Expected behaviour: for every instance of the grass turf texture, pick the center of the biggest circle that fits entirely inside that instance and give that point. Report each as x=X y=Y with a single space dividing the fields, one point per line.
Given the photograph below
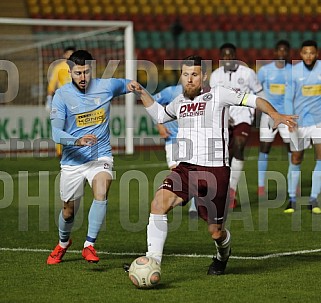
x=259 y=228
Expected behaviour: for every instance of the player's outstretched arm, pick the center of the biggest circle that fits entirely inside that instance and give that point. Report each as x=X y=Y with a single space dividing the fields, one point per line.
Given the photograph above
x=164 y=132
x=266 y=107
x=138 y=90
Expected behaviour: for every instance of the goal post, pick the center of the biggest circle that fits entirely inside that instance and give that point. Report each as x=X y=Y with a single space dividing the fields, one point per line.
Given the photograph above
x=30 y=46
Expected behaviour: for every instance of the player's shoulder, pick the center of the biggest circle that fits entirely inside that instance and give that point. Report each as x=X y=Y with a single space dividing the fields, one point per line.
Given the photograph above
x=245 y=69
x=297 y=69
x=218 y=89
x=298 y=65
x=268 y=66
x=65 y=88
x=218 y=70
x=318 y=65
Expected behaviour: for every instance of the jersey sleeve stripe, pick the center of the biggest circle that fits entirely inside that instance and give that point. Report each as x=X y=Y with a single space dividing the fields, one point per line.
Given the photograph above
x=168 y=114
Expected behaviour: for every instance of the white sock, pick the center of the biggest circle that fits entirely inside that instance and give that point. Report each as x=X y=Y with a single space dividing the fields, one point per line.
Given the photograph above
x=236 y=170
x=64 y=244
x=192 y=206
x=156 y=236
x=223 y=248
x=88 y=243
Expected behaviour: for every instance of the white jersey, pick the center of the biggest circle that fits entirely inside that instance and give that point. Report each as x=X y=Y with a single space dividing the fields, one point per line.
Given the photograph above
x=243 y=79
x=202 y=124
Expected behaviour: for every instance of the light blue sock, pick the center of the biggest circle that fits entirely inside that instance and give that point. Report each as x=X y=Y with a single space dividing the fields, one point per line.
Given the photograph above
x=316 y=180
x=290 y=169
x=262 y=167
x=294 y=179
x=64 y=228
x=192 y=206
x=96 y=218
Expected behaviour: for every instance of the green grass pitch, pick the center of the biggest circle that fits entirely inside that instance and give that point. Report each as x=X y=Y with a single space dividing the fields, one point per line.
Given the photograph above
x=276 y=256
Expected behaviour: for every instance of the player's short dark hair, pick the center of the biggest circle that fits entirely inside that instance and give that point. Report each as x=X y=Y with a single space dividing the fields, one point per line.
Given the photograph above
x=228 y=45
x=282 y=42
x=79 y=57
x=309 y=43
x=194 y=60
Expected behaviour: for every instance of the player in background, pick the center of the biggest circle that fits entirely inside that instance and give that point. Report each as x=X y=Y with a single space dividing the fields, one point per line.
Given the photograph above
x=204 y=173
x=58 y=77
x=80 y=122
x=273 y=77
x=303 y=97
x=232 y=73
x=168 y=131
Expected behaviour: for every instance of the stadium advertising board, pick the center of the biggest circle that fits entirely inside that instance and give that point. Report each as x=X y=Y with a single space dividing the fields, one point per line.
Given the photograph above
x=28 y=128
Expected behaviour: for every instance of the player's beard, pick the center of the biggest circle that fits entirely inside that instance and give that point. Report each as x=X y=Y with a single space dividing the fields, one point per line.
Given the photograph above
x=311 y=65
x=191 y=92
x=83 y=90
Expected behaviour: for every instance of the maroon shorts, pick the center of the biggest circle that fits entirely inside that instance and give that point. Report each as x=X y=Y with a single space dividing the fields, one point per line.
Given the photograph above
x=242 y=129
x=208 y=185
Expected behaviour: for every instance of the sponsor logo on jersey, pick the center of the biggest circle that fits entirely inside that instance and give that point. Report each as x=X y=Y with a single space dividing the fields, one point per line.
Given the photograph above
x=311 y=90
x=277 y=89
x=192 y=109
x=91 y=118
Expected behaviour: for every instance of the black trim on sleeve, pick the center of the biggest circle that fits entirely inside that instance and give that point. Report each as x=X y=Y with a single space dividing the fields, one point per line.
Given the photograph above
x=169 y=115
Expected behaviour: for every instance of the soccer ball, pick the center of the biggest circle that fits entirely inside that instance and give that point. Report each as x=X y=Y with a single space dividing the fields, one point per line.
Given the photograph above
x=145 y=272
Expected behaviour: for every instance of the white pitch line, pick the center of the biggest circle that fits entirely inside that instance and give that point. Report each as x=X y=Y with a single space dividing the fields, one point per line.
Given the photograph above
x=264 y=257
x=132 y=166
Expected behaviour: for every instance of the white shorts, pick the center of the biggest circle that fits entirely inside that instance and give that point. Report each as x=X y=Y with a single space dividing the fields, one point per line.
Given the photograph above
x=73 y=177
x=267 y=133
x=171 y=150
x=241 y=114
x=301 y=139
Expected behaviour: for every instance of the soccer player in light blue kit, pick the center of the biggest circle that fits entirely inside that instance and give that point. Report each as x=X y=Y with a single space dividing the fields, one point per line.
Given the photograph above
x=303 y=97
x=80 y=122
x=273 y=77
x=168 y=131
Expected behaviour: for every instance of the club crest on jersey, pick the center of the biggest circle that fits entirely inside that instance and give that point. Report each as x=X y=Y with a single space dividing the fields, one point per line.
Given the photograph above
x=207 y=97
x=240 y=81
x=192 y=109
x=97 y=101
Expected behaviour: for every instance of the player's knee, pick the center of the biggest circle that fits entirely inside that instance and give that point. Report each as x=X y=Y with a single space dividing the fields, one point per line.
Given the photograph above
x=161 y=203
x=296 y=160
x=218 y=235
x=100 y=196
x=217 y=232
x=158 y=207
x=68 y=214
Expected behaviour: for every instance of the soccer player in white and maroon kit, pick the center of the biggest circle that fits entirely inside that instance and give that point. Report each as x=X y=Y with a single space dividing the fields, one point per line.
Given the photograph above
x=203 y=171
x=232 y=73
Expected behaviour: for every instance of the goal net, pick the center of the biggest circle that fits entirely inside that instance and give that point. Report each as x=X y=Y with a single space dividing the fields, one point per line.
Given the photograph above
x=30 y=48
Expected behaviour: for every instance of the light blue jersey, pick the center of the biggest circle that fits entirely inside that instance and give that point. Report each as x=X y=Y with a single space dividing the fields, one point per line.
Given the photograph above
x=273 y=80
x=164 y=97
x=75 y=114
x=303 y=94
